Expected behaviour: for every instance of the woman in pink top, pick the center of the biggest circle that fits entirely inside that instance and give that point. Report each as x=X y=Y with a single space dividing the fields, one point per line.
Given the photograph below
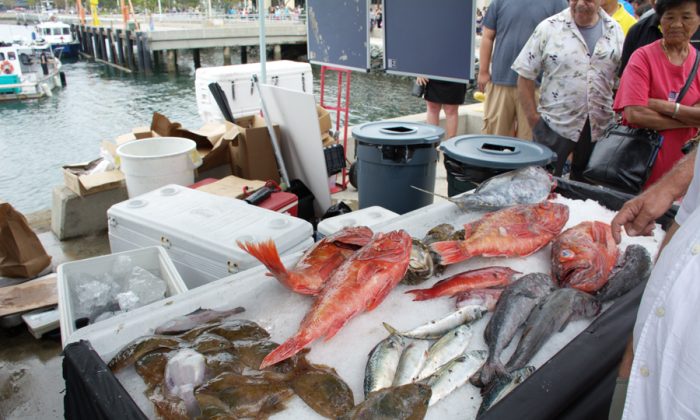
x=655 y=76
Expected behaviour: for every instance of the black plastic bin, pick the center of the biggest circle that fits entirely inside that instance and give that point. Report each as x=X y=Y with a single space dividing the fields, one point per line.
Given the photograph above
x=471 y=160
x=391 y=158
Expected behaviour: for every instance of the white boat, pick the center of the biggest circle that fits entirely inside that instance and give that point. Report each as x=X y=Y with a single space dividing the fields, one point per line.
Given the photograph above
x=60 y=37
x=28 y=71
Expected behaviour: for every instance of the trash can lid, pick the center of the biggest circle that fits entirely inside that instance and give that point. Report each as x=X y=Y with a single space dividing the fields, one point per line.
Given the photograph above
x=497 y=152
x=399 y=133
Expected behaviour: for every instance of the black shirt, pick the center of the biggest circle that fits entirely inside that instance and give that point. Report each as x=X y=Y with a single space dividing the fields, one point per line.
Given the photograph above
x=643 y=33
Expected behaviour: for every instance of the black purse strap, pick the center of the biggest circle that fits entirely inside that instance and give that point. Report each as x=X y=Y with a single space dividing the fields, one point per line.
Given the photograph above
x=691 y=76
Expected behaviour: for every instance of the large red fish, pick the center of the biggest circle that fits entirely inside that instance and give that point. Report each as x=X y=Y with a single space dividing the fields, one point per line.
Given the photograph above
x=584 y=255
x=516 y=231
x=466 y=281
x=359 y=285
x=315 y=267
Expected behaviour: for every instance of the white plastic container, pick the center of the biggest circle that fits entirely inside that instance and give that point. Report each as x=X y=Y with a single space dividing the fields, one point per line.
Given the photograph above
x=154 y=259
x=199 y=230
x=370 y=216
x=151 y=163
x=236 y=82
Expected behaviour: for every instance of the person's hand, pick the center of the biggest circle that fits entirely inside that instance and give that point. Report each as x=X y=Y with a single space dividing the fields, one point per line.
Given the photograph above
x=422 y=81
x=638 y=215
x=483 y=79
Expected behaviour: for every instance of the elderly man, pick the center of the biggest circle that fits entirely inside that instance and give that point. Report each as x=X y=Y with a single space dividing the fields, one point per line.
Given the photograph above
x=577 y=51
x=507 y=26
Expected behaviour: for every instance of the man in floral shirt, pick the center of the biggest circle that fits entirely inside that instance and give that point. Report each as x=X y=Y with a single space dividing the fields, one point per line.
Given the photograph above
x=577 y=52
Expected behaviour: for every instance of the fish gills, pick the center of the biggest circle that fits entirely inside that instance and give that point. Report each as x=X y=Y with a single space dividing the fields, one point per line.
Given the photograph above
x=557 y=309
x=584 y=255
x=512 y=310
x=359 y=285
x=317 y=265
x=512 y=232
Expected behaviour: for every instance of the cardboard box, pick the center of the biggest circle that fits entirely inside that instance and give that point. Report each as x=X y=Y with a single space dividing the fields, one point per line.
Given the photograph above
x=77 y=180
x=252 y=154
x=324 y=120
x=232 y=186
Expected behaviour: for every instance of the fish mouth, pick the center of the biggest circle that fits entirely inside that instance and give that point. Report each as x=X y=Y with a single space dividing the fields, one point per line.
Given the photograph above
x=572 y=272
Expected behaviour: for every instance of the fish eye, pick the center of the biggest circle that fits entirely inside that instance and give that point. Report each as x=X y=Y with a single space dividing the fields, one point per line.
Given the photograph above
x=566 y=253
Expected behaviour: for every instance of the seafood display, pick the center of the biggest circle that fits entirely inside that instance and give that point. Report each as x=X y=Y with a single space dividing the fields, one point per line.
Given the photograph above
x=212 y=371
x=382 y=363
x=317 y=265
x=512 y=310
x=584 y=255
x=437 y=328
x=513 y=232
x=557 y=309
x=454 y=374
x=633 y=269
x=528 y=185
x=466 y=281
x=406 y=402
x=359 y=285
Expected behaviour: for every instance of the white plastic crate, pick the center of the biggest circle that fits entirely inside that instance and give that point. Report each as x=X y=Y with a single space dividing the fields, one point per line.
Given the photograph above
x=241 y=94
x=200 y=230
x=370 y=216
x=154 y=259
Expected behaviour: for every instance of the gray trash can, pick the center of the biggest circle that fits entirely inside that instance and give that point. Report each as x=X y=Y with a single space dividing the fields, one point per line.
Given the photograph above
x=472 y=159
x=393 y=156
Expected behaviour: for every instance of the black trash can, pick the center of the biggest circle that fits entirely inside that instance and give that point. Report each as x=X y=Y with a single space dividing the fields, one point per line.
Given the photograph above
x=393 y=156
x=472 y=159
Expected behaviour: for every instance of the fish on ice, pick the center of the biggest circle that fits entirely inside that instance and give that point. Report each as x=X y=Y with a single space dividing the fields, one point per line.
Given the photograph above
x=468 y=280
x=359 y=285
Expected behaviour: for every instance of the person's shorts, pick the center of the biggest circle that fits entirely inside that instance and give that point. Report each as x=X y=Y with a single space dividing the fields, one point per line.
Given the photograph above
x=449 y=93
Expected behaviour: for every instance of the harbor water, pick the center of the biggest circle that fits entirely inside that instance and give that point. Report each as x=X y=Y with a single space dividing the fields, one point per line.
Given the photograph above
x=37 y=137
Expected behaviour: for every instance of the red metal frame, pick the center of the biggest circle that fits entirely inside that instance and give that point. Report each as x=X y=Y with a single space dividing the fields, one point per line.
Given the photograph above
x=340 y=106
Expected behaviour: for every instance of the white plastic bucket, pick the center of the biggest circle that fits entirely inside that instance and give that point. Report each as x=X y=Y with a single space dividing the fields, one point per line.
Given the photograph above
x=152 y=163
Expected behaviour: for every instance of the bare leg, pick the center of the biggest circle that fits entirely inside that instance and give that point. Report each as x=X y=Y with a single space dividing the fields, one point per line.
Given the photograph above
x=451 y=117
x=433 y=116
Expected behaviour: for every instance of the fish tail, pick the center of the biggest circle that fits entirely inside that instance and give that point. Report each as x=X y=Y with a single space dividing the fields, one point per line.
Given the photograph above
x=286 y=350
x=391 y=329
x=266 y=253
x=421 y=294
x=450 y=252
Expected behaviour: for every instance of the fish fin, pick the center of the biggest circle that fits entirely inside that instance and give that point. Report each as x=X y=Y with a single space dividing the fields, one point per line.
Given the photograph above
x=420 y=294
x=566 y=323
x=330 y=266
x=355 y=236
x=334 y=328
x=266 y=253
x=450 y=252
x=391 y=329
x=286 y=350
x=432 y=193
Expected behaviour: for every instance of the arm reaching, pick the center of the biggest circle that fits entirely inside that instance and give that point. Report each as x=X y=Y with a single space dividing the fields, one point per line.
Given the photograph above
x=638 y=214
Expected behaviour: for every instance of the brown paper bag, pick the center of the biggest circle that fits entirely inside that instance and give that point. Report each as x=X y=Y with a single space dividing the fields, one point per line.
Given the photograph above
x=21 y=252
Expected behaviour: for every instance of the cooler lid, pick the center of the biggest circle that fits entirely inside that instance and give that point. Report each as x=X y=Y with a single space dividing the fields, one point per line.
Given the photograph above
x=497 y=152
x=398 y=133
x=206 y=224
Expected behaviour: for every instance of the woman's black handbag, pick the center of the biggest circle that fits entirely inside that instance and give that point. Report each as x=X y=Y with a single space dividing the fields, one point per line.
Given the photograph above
x=622 y=159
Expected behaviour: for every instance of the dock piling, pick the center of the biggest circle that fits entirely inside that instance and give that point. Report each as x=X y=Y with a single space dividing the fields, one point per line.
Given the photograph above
x=197 y=58
x=227 y=56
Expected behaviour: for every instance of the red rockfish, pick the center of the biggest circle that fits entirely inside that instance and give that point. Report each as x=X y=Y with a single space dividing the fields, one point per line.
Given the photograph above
x=317 y=265
x=516 y=231
x=468 y=280
x=583 y=256
x=359 y=285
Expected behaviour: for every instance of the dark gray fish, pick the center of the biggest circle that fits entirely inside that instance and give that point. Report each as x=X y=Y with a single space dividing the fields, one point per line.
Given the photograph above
x=194 y=319
x=528 y=185
x=420 y=264
x=405 y=402
x=501 y=387
x=555 y=312
x=634 y=268
x=512 y=310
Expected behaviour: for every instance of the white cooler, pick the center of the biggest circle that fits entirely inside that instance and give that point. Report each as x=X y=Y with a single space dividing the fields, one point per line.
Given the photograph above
x=241 y=94
x=369 y=216
x=199 y=230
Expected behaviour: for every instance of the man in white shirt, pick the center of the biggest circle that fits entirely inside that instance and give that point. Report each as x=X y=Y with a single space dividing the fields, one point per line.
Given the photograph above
x=664 y=378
